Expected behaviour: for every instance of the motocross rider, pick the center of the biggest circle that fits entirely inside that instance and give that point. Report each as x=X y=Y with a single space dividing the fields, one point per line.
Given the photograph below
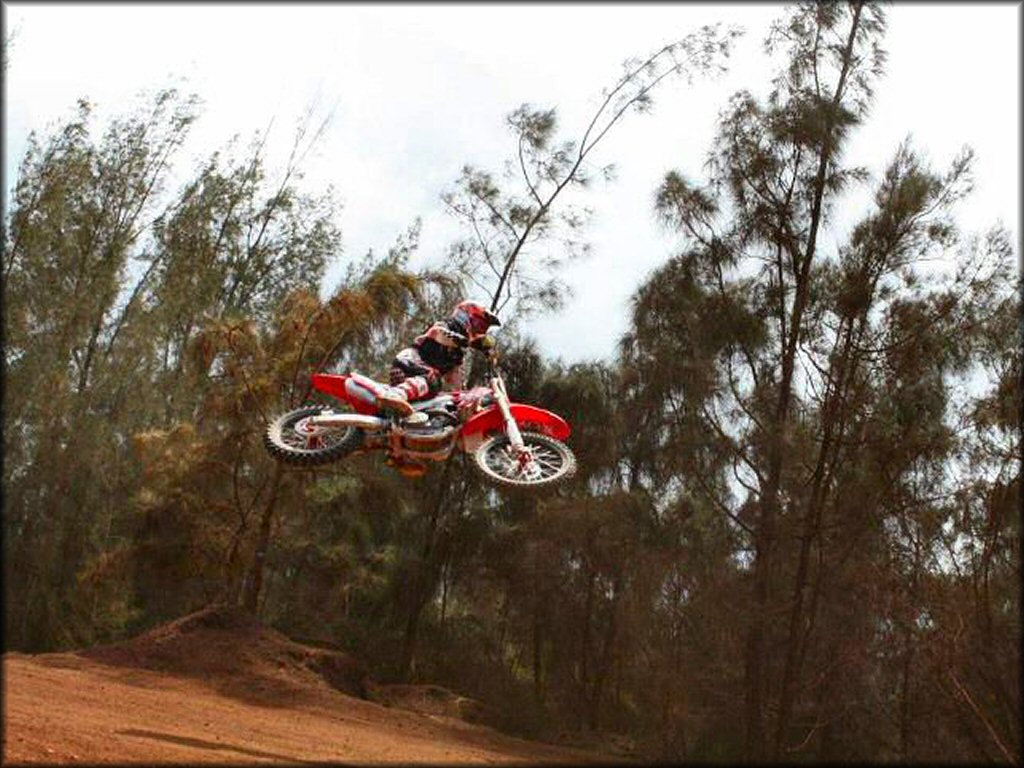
x=435 y=357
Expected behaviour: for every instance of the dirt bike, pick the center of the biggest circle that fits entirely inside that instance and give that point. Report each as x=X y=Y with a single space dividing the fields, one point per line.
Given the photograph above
x=514 y=446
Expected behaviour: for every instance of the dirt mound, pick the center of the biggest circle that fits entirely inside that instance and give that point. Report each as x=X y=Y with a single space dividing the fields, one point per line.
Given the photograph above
x=428 y=700
x=236 y=654
x=217 y=686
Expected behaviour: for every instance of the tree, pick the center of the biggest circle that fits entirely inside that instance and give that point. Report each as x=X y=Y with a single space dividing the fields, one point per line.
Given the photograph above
x=257 y=370
x=78 y=216
x=505 y=225
x=792 y=532
x=106 y=293
x=783 y=354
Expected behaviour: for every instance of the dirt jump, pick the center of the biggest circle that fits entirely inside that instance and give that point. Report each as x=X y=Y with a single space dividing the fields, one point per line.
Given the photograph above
x=218 y=687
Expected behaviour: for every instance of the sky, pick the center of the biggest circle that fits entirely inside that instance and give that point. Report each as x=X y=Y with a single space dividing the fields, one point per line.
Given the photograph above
x=416 y=91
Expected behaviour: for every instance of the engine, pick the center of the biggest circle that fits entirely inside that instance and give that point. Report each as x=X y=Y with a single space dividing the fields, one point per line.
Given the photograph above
x=435 y=438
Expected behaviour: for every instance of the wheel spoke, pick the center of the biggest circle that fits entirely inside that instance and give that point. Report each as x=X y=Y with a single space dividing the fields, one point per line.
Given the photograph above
x=295 y=435
x=546 y=461
x=293 y=438
x=546 y=458
x=548 y=469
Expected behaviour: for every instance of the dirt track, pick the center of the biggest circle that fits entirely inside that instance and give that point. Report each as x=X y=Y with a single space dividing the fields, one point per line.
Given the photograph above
x=106 y=706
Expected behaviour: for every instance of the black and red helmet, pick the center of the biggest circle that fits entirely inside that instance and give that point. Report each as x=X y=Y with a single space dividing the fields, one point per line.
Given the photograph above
x=475 y=318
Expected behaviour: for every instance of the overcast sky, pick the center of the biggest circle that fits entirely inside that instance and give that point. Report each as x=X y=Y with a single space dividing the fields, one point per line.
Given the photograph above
x=417 y=91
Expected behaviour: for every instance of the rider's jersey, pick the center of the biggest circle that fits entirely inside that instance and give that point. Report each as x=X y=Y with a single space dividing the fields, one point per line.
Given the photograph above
x=442 y=346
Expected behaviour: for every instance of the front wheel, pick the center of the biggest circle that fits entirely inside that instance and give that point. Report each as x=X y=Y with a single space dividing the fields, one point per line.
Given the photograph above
x=550 y=462
x=291 y=439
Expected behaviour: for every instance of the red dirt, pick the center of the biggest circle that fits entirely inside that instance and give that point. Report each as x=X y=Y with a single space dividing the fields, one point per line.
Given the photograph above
x=218 y=687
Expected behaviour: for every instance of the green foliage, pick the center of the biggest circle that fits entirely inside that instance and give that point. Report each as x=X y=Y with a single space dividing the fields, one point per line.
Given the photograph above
x=810 y=397
x=75 y=223
x=523 y=227
x=794 y=533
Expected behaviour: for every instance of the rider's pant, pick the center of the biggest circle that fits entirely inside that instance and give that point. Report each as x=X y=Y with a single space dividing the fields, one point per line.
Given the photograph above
x=413 y=376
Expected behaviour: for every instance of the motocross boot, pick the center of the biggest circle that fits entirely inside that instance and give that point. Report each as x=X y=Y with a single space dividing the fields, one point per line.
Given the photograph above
x=397 y=397
x=394 y=399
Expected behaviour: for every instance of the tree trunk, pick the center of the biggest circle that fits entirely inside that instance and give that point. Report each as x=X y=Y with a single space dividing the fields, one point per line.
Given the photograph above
x=253 y=585
x=426 y=574
x=607 y=656
x=755 y=671
x=538 y=671
x=585 y=646
x=905 y=719
x=407 y=662
x=833 y=424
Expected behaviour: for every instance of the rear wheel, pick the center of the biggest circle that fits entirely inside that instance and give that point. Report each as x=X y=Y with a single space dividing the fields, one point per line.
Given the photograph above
x=291 y=439
x=550 y=462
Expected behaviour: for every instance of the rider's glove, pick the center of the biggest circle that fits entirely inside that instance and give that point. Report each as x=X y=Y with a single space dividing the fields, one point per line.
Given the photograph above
x=483 y=343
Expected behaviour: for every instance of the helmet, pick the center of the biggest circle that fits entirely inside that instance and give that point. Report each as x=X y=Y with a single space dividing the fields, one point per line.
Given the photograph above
x=475 y=318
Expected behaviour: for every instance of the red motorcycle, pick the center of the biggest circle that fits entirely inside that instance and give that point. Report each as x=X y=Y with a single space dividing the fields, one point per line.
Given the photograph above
x=513 y=445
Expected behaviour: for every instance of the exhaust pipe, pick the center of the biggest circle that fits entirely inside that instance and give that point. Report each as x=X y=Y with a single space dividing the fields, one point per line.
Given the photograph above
x=358 y=420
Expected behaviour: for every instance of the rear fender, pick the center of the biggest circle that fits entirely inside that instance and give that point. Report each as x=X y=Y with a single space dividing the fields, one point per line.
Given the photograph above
x=528 y=417
x=356 y=390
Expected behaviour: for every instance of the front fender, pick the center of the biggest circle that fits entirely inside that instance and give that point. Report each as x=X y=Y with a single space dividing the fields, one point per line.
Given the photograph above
x=528 y=417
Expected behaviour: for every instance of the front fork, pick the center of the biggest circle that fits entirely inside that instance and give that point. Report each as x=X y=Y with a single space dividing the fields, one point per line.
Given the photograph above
x=515 y=437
